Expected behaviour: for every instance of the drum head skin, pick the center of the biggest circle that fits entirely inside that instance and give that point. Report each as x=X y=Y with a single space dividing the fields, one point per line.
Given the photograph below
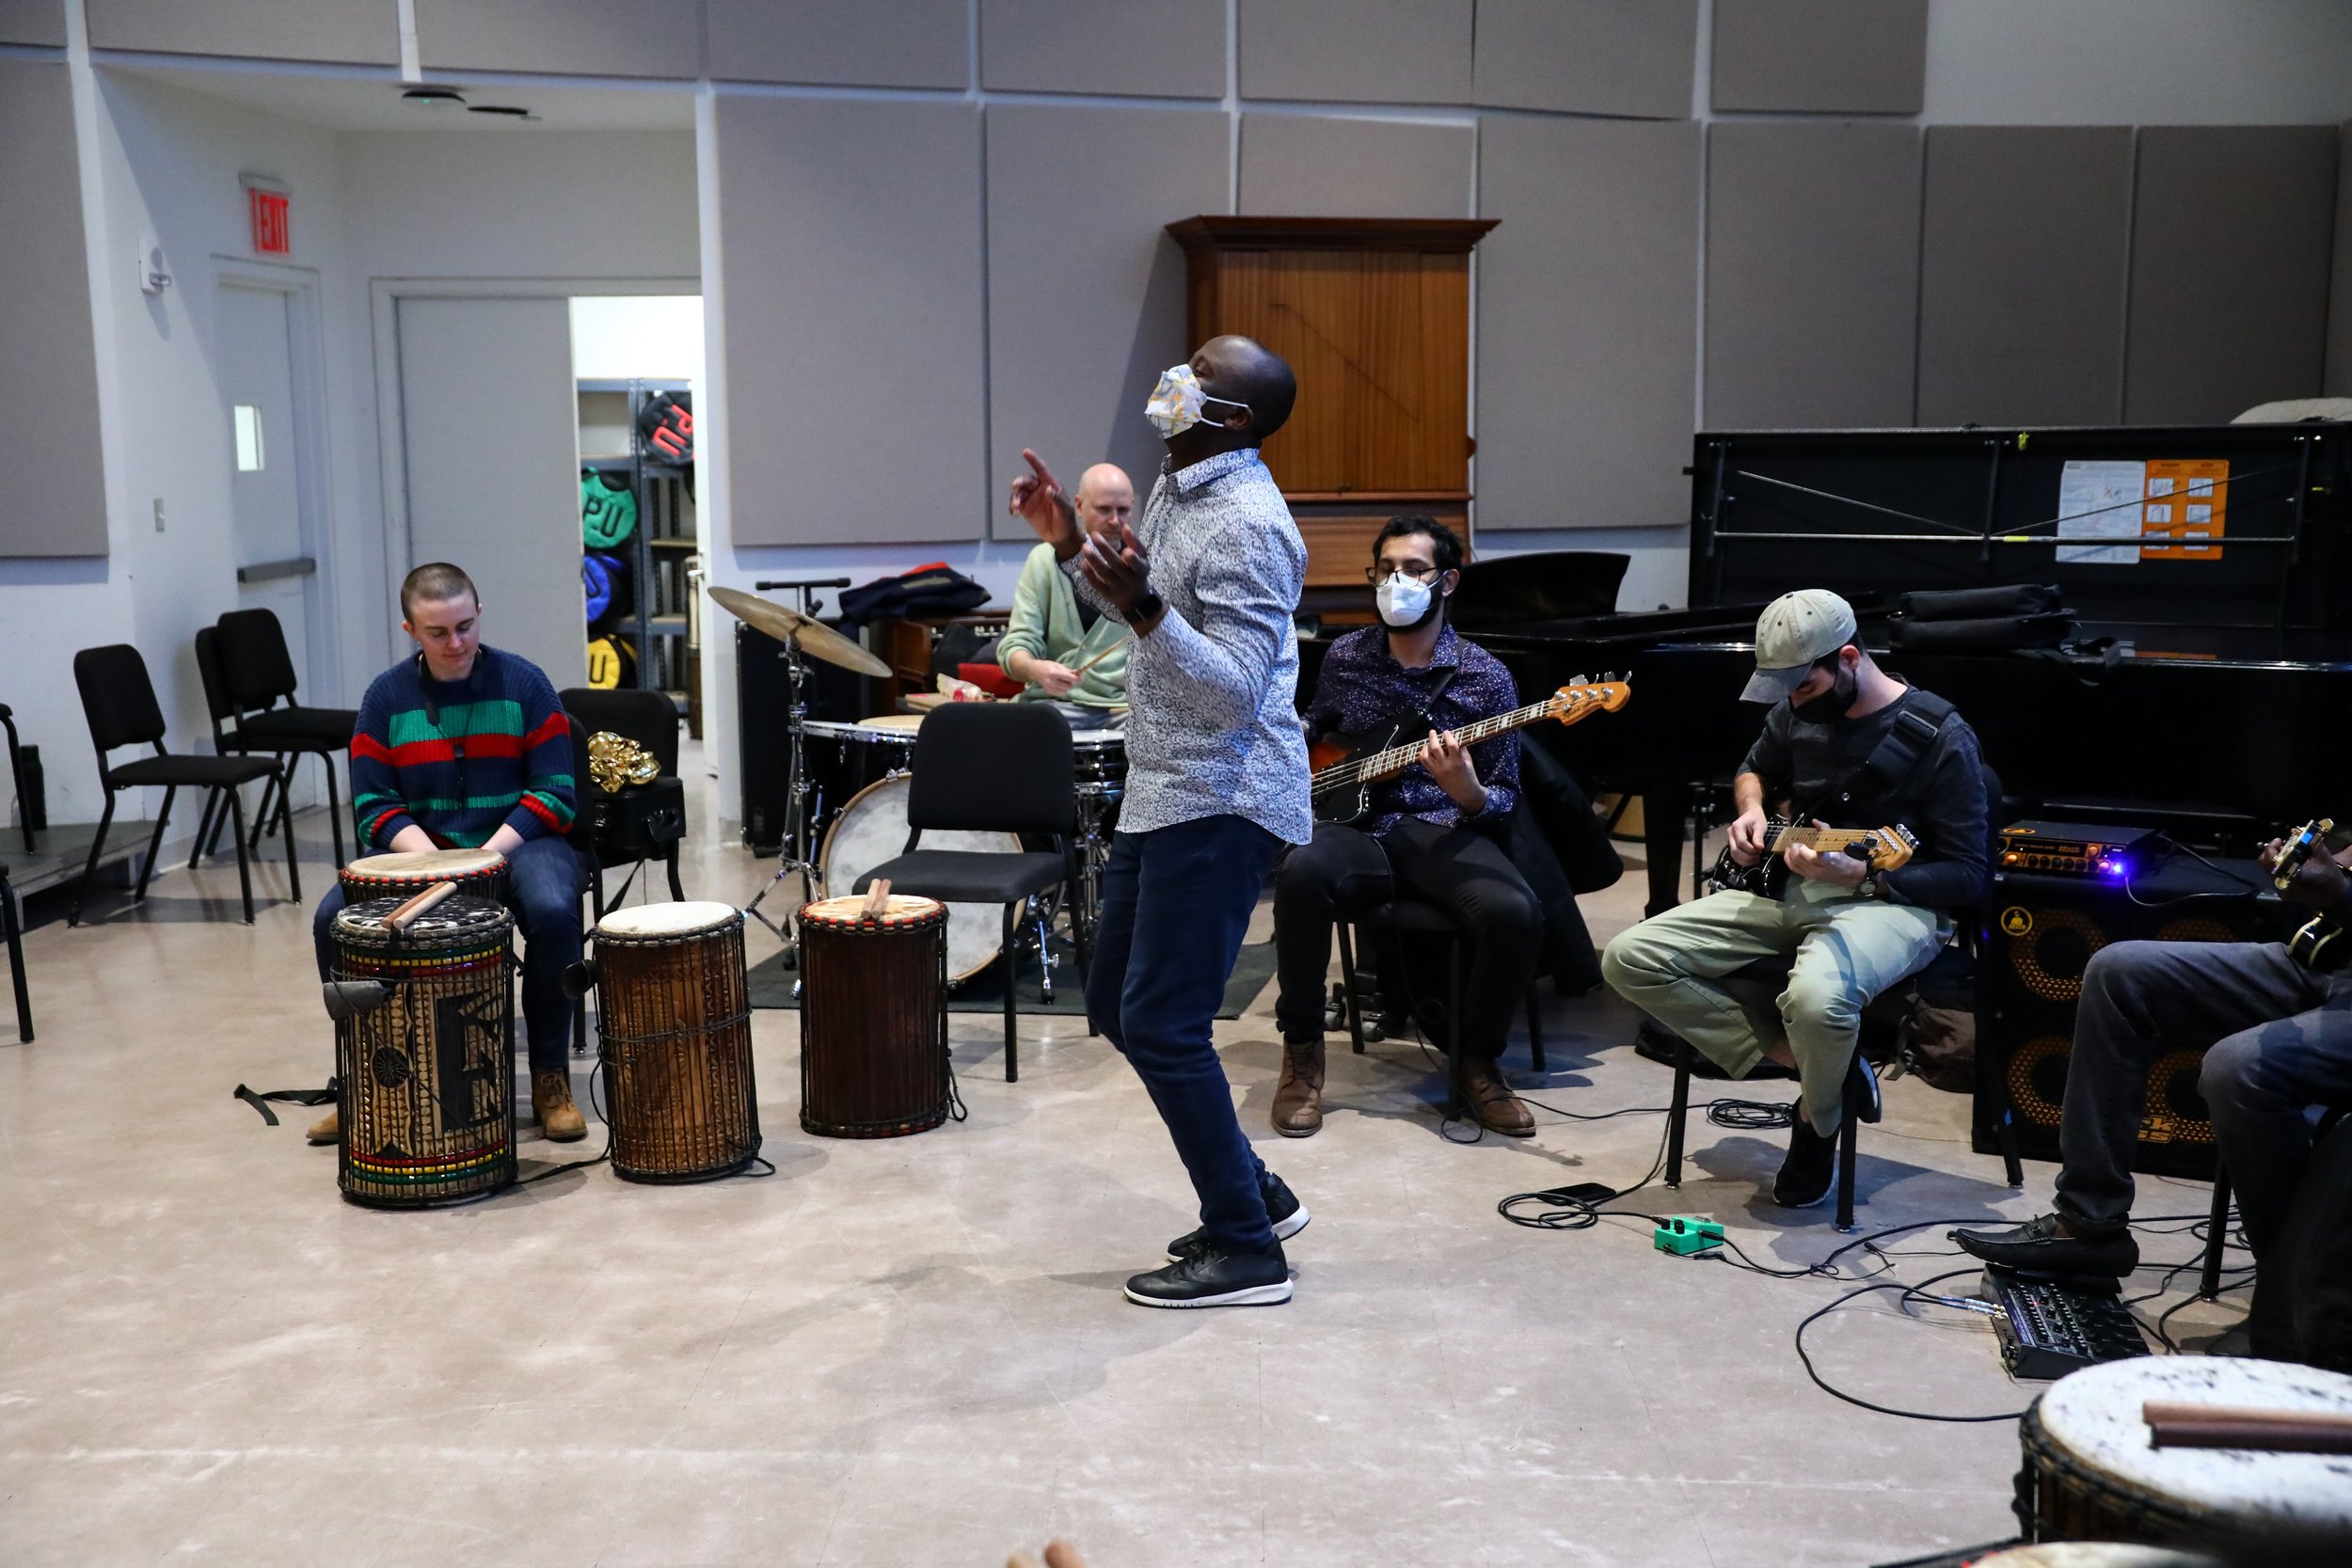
x=906 y=723
x=2094 y=1554
x=657 y=922
x=872 y=829
x=2093 y=1417
x=428 y=862
x=850 y=909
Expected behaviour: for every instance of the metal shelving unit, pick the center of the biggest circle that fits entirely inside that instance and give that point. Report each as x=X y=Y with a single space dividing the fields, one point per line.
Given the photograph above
x=661 y=548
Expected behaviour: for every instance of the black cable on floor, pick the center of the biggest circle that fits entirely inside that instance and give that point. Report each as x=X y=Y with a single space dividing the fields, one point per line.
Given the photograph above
x=1838 y=1393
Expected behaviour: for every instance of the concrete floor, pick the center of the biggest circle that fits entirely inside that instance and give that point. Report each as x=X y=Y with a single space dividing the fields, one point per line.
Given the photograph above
x=914 y=1352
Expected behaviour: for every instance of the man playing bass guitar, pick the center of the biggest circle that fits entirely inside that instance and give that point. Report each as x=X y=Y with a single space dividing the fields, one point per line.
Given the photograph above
x=1434 y=830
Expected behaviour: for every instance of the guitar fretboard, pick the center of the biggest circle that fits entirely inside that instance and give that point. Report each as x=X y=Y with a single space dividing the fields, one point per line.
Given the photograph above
x=1381 y=765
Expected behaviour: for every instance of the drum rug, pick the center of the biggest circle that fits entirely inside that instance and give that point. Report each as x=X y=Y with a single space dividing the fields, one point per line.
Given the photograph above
x=772 y=985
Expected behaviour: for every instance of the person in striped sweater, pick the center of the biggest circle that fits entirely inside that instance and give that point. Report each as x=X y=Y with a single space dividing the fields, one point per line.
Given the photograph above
x=465 y=747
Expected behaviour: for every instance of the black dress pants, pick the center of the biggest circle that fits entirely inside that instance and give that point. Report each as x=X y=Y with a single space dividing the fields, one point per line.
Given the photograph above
x=1345 y=871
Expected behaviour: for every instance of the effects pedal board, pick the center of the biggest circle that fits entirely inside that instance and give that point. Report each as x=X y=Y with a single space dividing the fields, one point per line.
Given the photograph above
x=2073 y=849
x=2050 y=1327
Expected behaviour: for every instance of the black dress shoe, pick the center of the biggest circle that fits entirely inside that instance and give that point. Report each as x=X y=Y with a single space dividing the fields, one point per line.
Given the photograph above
x=1283 y=1207
x=1811 y=1168
x=2038 y=1247
x=1212 y=1277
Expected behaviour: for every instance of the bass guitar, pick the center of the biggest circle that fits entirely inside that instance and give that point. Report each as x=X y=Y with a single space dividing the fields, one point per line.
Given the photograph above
x=2316 y=945
x=1346 y=766
x=1885 y=847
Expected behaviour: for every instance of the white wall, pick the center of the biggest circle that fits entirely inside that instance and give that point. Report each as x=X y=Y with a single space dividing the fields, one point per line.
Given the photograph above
x=656 y=337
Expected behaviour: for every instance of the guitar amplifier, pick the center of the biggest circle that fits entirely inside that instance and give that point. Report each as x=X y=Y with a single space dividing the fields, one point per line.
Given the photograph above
x=2043 y=929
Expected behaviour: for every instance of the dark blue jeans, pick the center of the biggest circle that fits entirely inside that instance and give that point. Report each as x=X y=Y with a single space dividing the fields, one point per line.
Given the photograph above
x=543 y=887
x=1175 y=903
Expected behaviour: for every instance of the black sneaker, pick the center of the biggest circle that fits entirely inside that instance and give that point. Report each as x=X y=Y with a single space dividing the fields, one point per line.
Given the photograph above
x=2038 y=1247
x=1811 y=1170
x=1283 y=1207
x=1212 y=1277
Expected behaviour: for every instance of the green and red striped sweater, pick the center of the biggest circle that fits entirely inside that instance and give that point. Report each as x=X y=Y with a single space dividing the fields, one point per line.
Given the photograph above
x=460 y=758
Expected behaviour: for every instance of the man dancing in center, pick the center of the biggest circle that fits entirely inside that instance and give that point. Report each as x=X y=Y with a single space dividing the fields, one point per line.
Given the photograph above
x=1216 y=783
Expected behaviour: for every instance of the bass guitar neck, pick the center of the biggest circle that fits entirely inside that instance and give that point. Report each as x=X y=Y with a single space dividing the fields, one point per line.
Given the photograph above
x=1346 y=768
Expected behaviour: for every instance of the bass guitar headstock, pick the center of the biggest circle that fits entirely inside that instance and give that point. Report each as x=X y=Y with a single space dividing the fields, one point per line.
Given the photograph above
x=1886 y=849
x=2309 y=839
x=1581 y=697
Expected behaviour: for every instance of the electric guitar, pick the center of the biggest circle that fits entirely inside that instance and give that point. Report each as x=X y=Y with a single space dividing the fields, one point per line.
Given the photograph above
x=1346 y=766
x=1885 y=847
x=2316 y=945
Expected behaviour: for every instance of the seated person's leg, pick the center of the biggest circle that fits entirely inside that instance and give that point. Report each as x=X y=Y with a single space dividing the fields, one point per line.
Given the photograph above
x=1669 y=966
x=2139 y=1000
x=2262 y=1084
x=543 y=878
x=1467 y=874
x=1342 y=868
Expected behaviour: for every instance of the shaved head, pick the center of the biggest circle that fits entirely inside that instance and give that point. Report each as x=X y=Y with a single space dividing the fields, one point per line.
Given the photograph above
x=1105 y=498
x=1246 y=370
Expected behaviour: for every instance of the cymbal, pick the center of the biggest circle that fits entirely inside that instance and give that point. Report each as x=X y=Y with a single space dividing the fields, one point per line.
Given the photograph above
x=786 y=624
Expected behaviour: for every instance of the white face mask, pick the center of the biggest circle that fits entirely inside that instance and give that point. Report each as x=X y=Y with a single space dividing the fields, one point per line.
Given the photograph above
x=1175 y=404
x=1402 y=600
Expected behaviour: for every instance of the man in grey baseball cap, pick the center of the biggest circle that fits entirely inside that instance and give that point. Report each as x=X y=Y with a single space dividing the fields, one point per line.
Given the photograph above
x=1844 y=745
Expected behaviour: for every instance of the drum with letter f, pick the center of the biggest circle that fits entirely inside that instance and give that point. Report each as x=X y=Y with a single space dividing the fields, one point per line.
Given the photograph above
x=426 y=1064
x=874 y=1018
x=674 y=1016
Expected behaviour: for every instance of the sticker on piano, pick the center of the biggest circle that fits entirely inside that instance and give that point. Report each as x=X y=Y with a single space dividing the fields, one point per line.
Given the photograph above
x=2192 y=531
x=2098 y=512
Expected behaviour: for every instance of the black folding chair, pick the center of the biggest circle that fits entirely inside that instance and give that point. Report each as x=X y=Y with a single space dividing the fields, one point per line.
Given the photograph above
x=119 y=700
x=991 y=768
x=11 y=929
x=648 y=822
x=248 y=672
x=16 y=777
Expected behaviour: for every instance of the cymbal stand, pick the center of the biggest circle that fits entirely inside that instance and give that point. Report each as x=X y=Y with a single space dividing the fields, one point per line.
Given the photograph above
x=792 y=852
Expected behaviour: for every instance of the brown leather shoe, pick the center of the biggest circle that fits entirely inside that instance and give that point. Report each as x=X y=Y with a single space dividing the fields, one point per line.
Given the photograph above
x=1491 y=1102
x=1298 y=1099
x=328 y=1128
x=559 y=1119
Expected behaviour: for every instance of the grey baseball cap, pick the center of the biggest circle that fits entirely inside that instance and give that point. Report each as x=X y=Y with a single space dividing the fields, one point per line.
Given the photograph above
x=1794 y=631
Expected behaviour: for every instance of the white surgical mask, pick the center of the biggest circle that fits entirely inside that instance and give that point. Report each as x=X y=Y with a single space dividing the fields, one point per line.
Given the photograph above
x=1404 y=601
x=1175 y=404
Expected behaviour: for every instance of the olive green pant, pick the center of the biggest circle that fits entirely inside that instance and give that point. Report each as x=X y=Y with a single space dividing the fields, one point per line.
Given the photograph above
x=1846 y=950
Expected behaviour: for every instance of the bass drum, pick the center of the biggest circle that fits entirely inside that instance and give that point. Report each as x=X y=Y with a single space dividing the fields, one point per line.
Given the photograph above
x=872 y=829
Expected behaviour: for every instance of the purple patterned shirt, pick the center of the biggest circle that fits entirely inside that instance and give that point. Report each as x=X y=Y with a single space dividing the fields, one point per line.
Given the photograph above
x=1363 y=690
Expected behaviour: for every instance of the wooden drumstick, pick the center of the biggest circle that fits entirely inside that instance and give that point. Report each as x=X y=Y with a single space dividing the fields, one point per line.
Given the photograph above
x=397 y=920
x=877 y=901
x=1100 y=657
x=2173 y=1424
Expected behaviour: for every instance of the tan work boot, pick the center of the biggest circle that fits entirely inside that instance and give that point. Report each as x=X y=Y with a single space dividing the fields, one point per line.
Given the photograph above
x=1298 y=1099
x=328 y=1128
x=551 y=1099
x=1491 y=1102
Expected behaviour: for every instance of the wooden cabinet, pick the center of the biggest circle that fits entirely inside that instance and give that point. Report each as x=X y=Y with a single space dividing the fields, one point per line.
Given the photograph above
x=1374 y=316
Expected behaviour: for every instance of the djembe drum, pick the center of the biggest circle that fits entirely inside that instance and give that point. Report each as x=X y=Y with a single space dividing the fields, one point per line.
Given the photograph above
x=427 y=1064
x=874 y=1017
x=675 y=1019
x=481 y=873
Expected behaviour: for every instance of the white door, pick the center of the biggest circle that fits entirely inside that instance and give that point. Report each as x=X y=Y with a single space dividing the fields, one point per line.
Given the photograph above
x=255 y=363
x=490 y=425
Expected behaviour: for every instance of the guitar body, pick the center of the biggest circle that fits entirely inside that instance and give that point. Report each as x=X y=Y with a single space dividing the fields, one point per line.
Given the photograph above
x=1343 y=802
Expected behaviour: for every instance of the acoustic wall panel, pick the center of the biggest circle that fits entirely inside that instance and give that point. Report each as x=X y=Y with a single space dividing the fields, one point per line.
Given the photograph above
x=1812 y=275
x=2232 y=226
x=365 y=32
x=1821 y=56
x=851 y=319
x=2023 y=244
x=1086 y=300
x=1357 y=51
x=54 y=502
x=1587 y=57
x=35 y=22
x=1299 y=165
x=1159 y=48
x=585 y=37
x=2339 y=382
x=907 y=44
x=1588 y=322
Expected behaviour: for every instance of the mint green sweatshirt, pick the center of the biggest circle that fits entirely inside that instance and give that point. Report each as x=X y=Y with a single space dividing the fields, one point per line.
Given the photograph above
x=1044 y=625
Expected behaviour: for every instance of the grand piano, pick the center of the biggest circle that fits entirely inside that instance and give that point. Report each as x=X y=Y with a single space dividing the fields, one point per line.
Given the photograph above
x=2207 y=691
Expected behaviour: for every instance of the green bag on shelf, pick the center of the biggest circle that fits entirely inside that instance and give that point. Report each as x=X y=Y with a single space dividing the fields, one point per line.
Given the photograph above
x=607 y=516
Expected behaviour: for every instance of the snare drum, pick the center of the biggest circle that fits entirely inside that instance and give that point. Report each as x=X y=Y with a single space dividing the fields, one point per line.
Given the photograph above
x=675 y=1024
x=481 y=873
x=1099 y=759
x=874 y=1018
x=2091 y=1473
x=843 y=759
x=428 y=1078
x=872 y=829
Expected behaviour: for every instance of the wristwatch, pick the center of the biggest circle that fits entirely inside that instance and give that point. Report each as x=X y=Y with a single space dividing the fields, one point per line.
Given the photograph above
x=1147 y=604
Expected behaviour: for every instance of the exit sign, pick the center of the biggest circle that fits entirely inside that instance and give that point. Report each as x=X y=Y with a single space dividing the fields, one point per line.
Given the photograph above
x=272 y=209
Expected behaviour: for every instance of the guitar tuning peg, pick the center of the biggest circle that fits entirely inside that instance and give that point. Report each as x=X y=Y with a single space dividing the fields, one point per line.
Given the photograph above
x=1575 y=680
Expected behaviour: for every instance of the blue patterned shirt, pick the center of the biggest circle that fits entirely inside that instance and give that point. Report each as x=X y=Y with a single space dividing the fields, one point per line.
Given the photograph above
x=1213 y=723
x=1363 y=690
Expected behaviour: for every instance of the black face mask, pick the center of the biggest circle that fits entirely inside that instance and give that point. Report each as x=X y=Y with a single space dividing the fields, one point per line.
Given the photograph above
x=1831 y=705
